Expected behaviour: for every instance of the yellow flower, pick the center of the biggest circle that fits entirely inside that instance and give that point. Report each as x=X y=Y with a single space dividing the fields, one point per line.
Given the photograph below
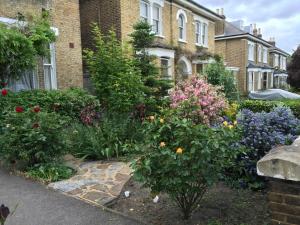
x=179 y=151
x=161 y=120
x=152 y=118
x=162 y=144
x=235 y=123
x=230 y=127
x=225 y=123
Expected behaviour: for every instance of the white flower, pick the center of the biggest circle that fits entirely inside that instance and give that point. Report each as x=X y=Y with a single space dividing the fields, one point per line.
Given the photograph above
x=7 y=125
x=127 y=194
x=156 y=199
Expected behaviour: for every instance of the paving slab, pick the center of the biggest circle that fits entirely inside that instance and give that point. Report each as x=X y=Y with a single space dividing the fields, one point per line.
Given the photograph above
x=38 y=205
x=97 y=183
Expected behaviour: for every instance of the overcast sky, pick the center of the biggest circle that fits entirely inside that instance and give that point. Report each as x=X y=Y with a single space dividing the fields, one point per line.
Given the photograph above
x=279 y=18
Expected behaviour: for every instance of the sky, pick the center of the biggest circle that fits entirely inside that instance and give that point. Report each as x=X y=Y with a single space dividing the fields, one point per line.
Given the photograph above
x=279 y=18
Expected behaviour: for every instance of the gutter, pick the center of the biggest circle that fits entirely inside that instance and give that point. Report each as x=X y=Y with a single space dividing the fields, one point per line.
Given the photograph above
x=245 y=35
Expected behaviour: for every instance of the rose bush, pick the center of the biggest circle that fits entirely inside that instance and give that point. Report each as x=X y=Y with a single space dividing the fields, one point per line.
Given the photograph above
x=31 y=136
x=182 y=158
x=199 y=101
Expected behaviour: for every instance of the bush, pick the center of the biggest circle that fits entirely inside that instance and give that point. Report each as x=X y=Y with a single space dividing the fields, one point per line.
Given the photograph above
x=261 y=132
x=69 y=103
x=115 y=77
x=206 y=104
x=268 y=106
x=113 y=136
x=183 y=159
x=50 y=172
x=31 y=137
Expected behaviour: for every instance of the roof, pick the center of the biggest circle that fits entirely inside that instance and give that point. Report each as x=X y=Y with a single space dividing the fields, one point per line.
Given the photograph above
x=276 y=49
x=206 y=9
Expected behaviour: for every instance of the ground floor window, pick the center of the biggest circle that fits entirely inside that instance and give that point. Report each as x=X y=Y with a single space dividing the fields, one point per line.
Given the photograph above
x=27 y=81
x=49 y=67
x=199 y=69
x=265 y=80
x=165 y=67
x=250 y=81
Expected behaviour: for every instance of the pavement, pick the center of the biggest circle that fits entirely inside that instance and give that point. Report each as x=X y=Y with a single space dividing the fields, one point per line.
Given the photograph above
x=38 y=205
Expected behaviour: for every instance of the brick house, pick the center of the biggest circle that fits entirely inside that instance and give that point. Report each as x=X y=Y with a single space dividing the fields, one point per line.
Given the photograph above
x=184 y=30
x=246 y=53
x=278 y=60
x=64 y=68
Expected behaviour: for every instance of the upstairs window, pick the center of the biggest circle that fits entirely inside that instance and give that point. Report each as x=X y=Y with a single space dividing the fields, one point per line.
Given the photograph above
x=284 y=63
x=259 y=54
x=251 y=51
x=204 y=34
x=181 y=26
x=144 y=11
x=198 y=32
x=157 y=19
x=265 y=55
x=276 y=59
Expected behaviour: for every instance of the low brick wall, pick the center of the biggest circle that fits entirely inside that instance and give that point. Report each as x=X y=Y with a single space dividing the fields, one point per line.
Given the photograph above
x=284 y=202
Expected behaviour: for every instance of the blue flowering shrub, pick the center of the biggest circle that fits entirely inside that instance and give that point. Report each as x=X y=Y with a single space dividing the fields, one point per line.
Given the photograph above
x=260 y=133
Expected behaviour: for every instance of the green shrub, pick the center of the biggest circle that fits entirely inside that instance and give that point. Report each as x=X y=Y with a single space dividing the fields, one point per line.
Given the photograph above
x=50 y=172
x=183 y=159
x=31 y=137
x=63 y=102
x=113 y=136
x=268 y=106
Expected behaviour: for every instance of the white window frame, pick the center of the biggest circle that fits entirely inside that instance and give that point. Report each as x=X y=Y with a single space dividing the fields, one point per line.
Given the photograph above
x=147 y=5
x=284 y=63
x=259 y=53
x=251 y=77
x=251 y=47
x=51 y=63
x=157 y=20
x=276 y=60
x=181 y=14
x=169 y=67
x=198 y=30
x=265 y=55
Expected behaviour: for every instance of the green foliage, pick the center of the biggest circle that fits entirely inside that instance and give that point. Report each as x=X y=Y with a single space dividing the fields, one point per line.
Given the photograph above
x=115 y=135
x=50 y=172
x=217 y=74
x=30 y=138
x=63 y=102
x=21 y=44
x=17 y=53
x=183 y=159
x=268 y=106
x=156 y=87
x=294 y=69
x=116 y=80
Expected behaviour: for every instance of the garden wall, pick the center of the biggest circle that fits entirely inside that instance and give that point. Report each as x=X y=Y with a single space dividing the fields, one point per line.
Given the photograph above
x=282 y=166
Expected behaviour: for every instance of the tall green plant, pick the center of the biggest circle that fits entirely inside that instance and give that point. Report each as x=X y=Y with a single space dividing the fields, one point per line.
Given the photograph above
x=156 y=88
x=116 y=80
x=217 y=74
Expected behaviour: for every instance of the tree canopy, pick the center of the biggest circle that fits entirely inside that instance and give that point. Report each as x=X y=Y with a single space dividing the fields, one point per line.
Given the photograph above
x=294 y=69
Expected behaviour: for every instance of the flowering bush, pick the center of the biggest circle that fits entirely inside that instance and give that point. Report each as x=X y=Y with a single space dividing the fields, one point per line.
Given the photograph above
x=183 y=159
x=30 y=137
x=261 y=132
x=204 y=100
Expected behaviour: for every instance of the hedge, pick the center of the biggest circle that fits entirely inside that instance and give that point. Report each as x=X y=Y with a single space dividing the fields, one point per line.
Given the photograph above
x=267 y=106
x=68 y=102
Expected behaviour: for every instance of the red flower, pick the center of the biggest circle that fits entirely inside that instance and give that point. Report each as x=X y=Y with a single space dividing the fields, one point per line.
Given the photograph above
x=35 y=125
x=4 y=92
x=36 y=109
x=3 y=84
x=19 y=109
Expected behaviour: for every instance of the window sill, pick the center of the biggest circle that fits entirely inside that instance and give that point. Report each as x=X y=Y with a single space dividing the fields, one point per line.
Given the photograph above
x=182 y=41
x=200 y=45
x=159 y=36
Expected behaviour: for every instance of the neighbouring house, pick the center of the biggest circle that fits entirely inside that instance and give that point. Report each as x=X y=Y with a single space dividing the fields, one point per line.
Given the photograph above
x=246 y=53
x=64 y=68
x=184 y=29
x=278 y=60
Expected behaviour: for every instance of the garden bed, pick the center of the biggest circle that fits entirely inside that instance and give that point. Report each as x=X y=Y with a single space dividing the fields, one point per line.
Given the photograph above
x=220 y=206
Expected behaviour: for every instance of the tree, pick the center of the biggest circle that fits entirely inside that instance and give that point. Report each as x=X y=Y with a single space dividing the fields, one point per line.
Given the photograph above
x=294 y=69
x=217 y=74
x=116 y=79
x=156 y=88
x=22 y=43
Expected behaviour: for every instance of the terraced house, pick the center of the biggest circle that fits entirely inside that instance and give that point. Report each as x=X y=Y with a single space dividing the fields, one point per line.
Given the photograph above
x=64 y=68
x=246 y=53
x=184 y=29
x=278 y=60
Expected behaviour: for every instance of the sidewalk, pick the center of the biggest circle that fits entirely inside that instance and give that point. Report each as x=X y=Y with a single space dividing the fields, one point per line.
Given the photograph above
x=40 y=206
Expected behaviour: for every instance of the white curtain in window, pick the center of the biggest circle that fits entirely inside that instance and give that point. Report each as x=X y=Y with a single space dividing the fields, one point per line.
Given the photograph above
x=27 y=81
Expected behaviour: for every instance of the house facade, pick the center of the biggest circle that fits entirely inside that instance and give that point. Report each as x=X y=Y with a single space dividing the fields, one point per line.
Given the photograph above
x=246 y=53
x=184 y=30
x=278 y=60
x=64 y=68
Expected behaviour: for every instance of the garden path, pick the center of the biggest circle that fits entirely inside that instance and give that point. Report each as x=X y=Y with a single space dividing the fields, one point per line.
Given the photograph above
x=97 y=183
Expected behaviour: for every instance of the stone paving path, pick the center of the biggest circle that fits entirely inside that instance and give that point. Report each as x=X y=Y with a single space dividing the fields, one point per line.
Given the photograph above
x=97 y=183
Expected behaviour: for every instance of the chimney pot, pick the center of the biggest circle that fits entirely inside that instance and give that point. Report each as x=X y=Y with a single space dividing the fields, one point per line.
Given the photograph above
x=222 y=11
x=218 y=11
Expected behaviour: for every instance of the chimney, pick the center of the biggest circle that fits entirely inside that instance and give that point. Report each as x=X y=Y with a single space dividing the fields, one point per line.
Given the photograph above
x=259 y=33
x=218 y=11
x=255 y=32
x=272 y=41
x=222 y=12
